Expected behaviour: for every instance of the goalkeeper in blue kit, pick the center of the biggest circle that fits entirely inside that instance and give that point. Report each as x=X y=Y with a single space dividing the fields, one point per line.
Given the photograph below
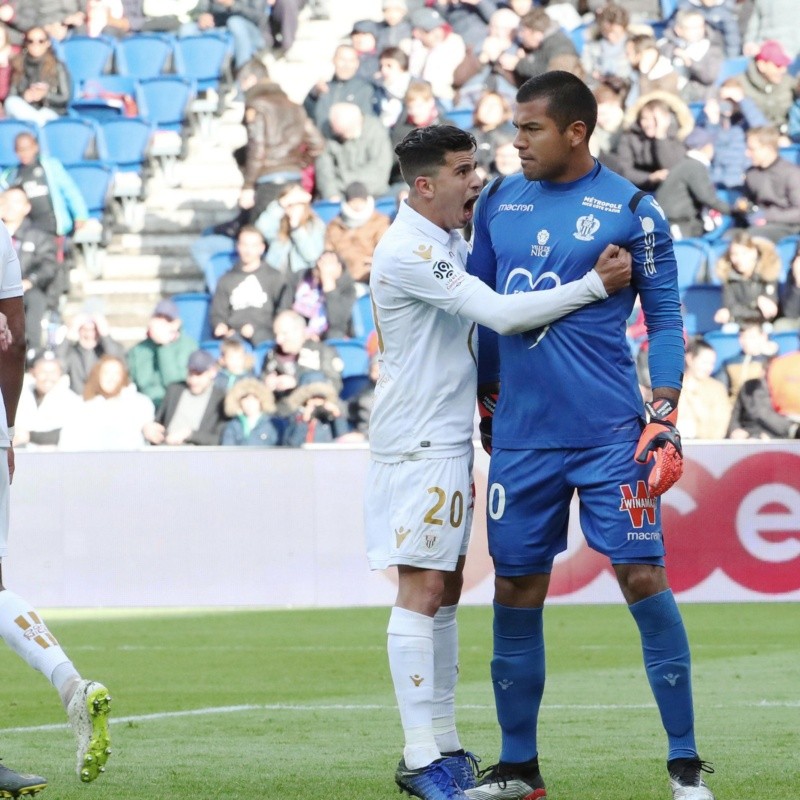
x=562 y=412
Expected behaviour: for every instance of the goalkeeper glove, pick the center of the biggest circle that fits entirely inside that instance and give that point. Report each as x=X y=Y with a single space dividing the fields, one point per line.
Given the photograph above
x=488 y=395
x=660 y=441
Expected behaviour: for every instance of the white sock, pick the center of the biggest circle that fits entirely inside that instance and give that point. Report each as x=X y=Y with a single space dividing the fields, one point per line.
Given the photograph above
x=25 y=632
x=445 y=659
x=410 y=648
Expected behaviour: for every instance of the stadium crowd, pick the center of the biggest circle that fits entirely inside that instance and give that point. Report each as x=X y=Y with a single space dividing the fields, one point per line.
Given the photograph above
x=699 y=104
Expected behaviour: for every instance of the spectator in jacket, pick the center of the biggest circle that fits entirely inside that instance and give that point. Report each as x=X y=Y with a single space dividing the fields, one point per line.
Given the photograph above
x=771 y=19
x=771 y=202
x=358 y=148
x=749 y=272
x=606 y=54
x=754 y=415
x=695 y=57
x=162 y=357
x=722 y=20
x=729 y=115
x=768 y=82
x=40 y=86
x=294 y=233
x=36 y=250
x=113 y=414
x=87 y=341
x=469 y=19
x=281 y=142
x=46 y=403
x=395 y=29
x=250 y=405
x=610 y=96
x=241 y=18
x=651 y=70
x=687 y=192
x=751 y=361
x=355 y=231
x=57 y=205
x=193 y=409
x=491 y=122
x=249 y=295
x=364 y=38
x=235 y=363
x=435 y=53
x=392 y=84
x=790 y=297
x=346 y=86
x=653 y=142
x=325 y=296
x=705 y=407
x=316 y=415
x=297 y=360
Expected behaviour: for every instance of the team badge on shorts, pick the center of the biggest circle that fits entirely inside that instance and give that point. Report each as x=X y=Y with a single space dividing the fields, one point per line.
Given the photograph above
x=639 y=504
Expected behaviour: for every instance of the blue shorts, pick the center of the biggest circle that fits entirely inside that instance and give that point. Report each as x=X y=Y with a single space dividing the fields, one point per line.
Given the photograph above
x=529 y=498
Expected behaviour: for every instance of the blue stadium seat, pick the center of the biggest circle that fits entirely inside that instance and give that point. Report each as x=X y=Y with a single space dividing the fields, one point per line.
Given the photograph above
x=220 y=264
x=164 y=101
x=260 y=353
x=126 y=141
x=461 y=117
x=194 y=308
x=86 y=57
x=700 y=303
x=697 y=107
x=787 y=341
x=326 y=210
x=211 y=346
x=787 y=248
x=691 y=256
x=73 y=140
x=735 y=65
x=363 y=323
x=144 y=55
x=202 y=58
x=578 y=37
x=387 y=204
x=94 y=179
x=791 y=153
x=725 y=344
x=9 y=130
x=355 y=374
x=668 y=8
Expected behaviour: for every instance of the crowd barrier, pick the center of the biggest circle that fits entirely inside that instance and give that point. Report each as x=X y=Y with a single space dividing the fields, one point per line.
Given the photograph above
x=283 y=528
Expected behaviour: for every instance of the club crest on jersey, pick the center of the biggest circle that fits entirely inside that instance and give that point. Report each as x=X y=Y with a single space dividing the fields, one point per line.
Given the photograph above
x=424 y=251
x=638 y=505
x=541 y=248
x=587 y=227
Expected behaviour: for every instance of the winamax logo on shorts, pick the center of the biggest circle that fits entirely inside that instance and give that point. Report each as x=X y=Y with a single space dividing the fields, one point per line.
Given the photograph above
x=639 y=504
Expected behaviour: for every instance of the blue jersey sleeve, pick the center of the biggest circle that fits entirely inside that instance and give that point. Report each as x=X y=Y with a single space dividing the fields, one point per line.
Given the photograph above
x=482 y=263
x=655 y=277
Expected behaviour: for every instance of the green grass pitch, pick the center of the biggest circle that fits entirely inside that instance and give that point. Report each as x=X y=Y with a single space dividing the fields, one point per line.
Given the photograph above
x=298 y=705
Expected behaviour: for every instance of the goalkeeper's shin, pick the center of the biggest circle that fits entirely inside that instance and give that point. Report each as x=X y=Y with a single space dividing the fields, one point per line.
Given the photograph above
x=661 y=443
x=488 y=395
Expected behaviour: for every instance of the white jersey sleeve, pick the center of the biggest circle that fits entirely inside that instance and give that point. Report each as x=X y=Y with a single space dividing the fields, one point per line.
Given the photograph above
x=11 y=277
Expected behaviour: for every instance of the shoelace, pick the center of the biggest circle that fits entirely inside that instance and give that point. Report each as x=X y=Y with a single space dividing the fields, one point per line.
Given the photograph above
x=493 y=774
x=690 y=771
x=472 y=762
x=442 y=779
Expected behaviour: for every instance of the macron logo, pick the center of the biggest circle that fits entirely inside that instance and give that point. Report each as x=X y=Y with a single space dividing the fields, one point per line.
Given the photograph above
x=515 y=207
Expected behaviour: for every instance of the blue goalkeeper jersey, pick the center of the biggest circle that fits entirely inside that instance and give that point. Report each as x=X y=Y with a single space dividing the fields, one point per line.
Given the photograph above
x=573 y=383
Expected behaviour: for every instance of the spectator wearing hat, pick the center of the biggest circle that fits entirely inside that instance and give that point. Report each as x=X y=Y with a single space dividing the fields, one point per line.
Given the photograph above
x=435 y=53
x=768 y=82
x=395 y=29
x=364 y=38
x=250 y=406
x=771 y=201
x=354 y=232
x=250 y=294
x=469 y=20
x=772 y=19
x=687 y=192
x=193 y=410
x=161 y=358
x=358 y=149
x=46 y=403
x=346 y=86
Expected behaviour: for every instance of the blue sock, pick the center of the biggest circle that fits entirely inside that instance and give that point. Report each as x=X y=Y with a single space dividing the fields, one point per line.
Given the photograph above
x=667 y=661
x=518 y=670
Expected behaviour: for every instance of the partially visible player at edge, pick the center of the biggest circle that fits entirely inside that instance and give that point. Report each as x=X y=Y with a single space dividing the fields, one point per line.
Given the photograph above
x=419 y=491
x=21 y=626
x=570 y=417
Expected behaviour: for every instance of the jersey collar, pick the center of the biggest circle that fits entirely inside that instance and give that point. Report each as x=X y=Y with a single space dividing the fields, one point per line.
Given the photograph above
x=413 y=218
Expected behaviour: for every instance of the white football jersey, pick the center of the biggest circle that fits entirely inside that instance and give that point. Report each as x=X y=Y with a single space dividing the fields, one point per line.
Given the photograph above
x=425 y=395
x=10 y=286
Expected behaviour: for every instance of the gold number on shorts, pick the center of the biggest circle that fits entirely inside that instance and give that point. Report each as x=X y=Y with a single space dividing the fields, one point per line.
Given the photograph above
x=456 y=507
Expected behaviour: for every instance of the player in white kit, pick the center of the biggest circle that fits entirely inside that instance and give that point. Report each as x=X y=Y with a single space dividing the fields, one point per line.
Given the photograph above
x=419 y=491
x=21 y=626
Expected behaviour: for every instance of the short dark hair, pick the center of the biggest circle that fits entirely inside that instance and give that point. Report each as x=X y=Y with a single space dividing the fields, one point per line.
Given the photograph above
x=395 y=54
x=568 y=99
x=697 y=345
x=424 y=150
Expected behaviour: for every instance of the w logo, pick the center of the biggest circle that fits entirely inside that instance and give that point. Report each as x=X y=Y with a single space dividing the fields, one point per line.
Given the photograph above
x=638 y=505
x=35 y=630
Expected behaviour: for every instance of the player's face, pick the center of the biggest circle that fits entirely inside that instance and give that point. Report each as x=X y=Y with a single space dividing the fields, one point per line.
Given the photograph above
x=456 y=188
x=545 y=152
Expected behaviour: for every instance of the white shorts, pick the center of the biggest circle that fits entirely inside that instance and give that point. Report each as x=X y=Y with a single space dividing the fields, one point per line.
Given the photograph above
x=5 y=492
x=419 y=513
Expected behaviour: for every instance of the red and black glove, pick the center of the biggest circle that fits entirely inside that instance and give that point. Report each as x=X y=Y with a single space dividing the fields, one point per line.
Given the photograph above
x=661 y=442
x=488 y=395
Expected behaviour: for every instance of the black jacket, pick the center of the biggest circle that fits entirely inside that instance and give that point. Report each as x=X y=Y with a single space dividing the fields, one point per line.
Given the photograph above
x=212 y=423
x=37 y=260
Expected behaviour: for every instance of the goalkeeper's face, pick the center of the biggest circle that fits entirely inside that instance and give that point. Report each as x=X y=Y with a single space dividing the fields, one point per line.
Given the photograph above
x=545 y=152
x=456 y=187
